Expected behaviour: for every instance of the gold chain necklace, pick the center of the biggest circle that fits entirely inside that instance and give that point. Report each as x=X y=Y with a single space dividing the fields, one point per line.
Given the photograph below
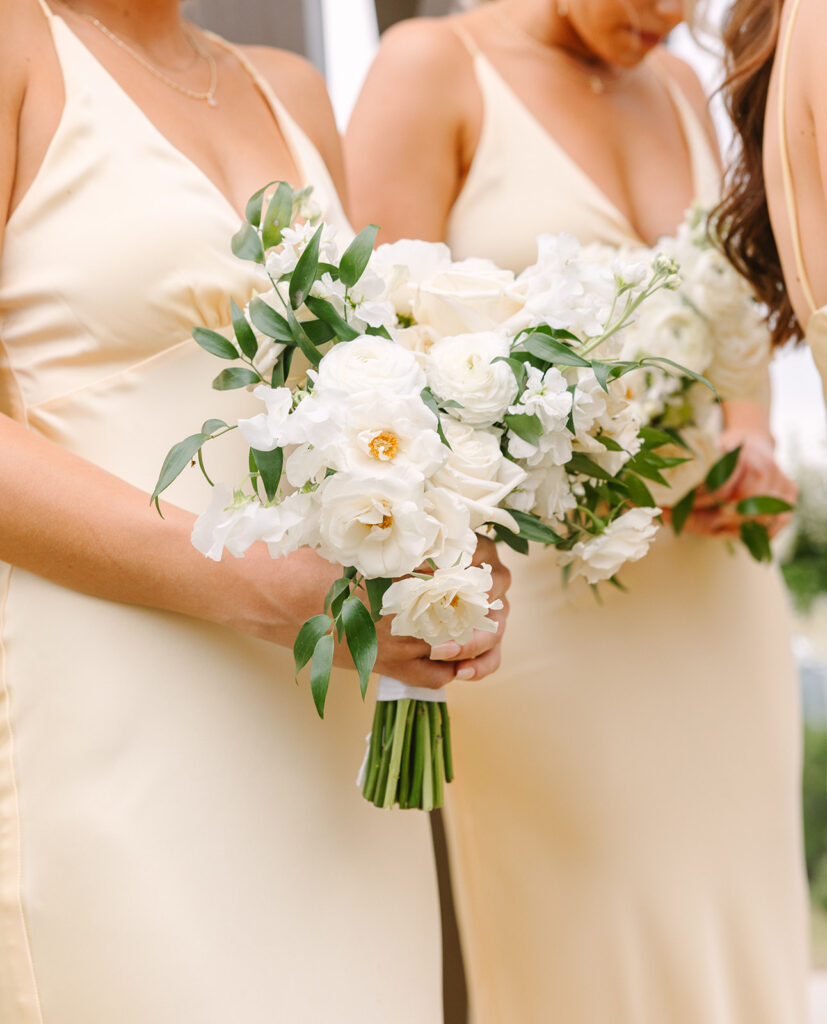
x=206 y=97
x=597 y=83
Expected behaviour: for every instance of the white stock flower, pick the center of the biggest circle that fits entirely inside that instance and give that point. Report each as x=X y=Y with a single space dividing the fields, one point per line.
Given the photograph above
x=377 y=524
x=369 y=363
x=546 y=493
x=450 y=605
x=478 y=473
x=626 y=539
x=589 y=402
x=546 y=396
x=268 y=430
x=295 y=524
x=230 y=521
x=462 y=369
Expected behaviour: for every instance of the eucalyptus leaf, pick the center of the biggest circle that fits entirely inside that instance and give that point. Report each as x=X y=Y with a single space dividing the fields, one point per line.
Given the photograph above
x=355 y=258
x=246 y=244
x=235 y=377
x=269 y=465
x=304 y=275
x=214 y=343
x=243 y=331
x=320 y=668
x=360 y=633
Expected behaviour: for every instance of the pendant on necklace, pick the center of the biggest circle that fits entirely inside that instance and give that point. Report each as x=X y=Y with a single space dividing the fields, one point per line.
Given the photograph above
x=212 y=101
x=597 y=84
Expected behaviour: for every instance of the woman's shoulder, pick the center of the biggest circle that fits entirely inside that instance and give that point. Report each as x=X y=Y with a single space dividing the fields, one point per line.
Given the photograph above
x=434 y=48
x=302 y=90
x=683 y=74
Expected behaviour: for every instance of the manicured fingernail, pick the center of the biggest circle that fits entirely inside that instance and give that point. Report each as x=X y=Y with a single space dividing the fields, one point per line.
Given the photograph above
x=466 y=673
x=447 y=650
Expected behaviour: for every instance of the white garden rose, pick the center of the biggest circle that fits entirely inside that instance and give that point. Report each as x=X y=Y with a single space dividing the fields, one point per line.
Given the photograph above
x=230 y=521
x=405 y=265
x=367 y=364
x=450 y=605
x=418 y=339
x=269 y=429
x=468 y=297
x=478 y=473
x=627 y=539
x=462 y=369
x=378 y=524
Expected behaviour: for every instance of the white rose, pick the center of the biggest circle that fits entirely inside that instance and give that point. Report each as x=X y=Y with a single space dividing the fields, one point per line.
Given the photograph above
x=626 y=539
x=406 y=264
x=455 y=542
x=268 y=430
x=478 y=472
x=231 y=522
x=466 y=298
x=450 y=605
x=462 y=369
x=417 y=339
x=378 y=525
x=368 y=363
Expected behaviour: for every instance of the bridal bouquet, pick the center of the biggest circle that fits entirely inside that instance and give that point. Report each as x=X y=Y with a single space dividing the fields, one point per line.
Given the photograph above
x=433 y=399
x=712 y=325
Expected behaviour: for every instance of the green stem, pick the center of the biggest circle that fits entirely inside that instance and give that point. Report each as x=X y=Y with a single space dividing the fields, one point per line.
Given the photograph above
x=397 y=745
x=437 y=762
x=428 y=764
x=420 y=720
x=446 y=741
x=407 y=768
x=387 y=731
x=373 y=752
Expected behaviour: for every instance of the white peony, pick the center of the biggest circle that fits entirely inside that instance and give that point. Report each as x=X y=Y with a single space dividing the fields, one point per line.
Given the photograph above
x=626 y=539
x=269 y=429
x=377 y=524
x=368 y=363
x=450 y=605
x=462 y=369
x=478 y=472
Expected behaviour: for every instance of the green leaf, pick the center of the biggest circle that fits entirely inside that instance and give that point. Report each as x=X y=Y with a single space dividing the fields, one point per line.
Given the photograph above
x=177 y=460
x=304 y=276
x=270 y=322
x=602 y=372
x=243 y=331
x=320 y=668
x=338 y=590
x=318 y=331
x=639 y=493
x=517 y=368
x=757 y=540
x=307 y=639
x=762 y=505
x=209 y=427
x=326 y=311
x=360 y=633
x=379 y=332
x=429 y=399
x=214 y=343
x=682 y=511
x=722 y=470
x=517 y=543
x=269 y=465
x=376 y=590
x=654 y=438
x=683 y=370
x=609 y=443
x=279 y=215
x=235 y=377
x=580 y=463
x=246 y=244
x=300 y=338
x=528 y=426
x=355 y=258
x=532 y=528
x=551 y=351
x=253 y=209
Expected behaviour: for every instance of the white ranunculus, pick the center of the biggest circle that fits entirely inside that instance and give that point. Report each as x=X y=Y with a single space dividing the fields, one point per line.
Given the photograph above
x=450 y=605
x=377 y=524
x=462 y=369
x=268 y=430
x=370 y=363
x=455 y=542
x=417 y=339
x=626 y=539
x=231 y=522
x=478 y=472
x=470 y=296
x=405 y=265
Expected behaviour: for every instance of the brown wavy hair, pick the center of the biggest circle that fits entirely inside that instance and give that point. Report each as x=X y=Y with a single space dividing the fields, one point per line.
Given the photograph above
x=743 y=221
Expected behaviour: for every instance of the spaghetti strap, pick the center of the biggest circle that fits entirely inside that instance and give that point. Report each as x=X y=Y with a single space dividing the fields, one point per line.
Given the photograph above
x=47 y=10
x=467 y=40
x=786 y=167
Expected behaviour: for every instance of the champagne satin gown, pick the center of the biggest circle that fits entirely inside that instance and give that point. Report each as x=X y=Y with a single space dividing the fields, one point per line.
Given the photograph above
x=181 y=838
x=624 y=826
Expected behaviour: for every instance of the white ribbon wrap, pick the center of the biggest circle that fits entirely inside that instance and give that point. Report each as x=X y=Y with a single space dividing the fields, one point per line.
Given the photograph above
x=393 y=689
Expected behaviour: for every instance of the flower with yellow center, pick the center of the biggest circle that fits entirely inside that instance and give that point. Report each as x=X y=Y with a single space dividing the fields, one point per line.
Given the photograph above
x=384 y=446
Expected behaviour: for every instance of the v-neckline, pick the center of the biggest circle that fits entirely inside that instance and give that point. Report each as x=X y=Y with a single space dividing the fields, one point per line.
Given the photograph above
x=262 y=87
x=596 y=189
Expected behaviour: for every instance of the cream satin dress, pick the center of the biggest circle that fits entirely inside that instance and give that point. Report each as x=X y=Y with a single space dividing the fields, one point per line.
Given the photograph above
x=624 y=826
x=181 y=839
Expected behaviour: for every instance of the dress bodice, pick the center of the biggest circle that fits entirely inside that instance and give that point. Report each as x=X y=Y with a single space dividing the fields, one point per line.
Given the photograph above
x=522 y=182
x=121 y=244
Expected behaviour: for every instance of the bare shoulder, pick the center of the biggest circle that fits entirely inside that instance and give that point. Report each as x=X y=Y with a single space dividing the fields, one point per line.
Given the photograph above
x=684 y=74
x=426 y=51
x=807 y=48
x=302 y=90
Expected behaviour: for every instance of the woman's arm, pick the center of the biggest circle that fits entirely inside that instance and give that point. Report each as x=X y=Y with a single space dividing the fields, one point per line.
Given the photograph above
x=406 y=146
